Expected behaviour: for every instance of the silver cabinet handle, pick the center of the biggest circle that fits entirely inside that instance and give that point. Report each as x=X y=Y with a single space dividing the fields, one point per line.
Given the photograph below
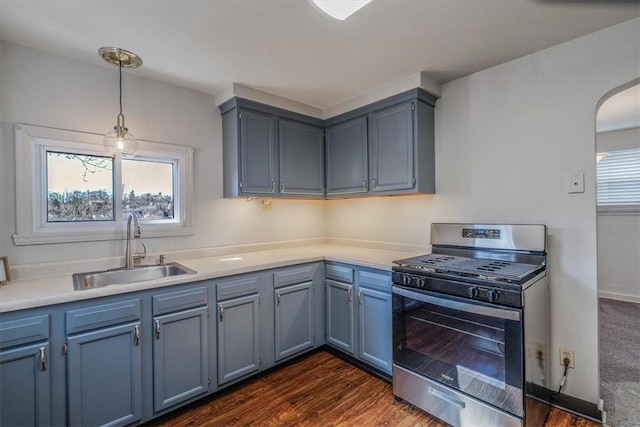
x=364 y=184
x=221 y=313
x=277 y=298
x=136 y=335
x=157 y=329
x=282 y=186
x=43 y=359
x=273 y=186
x=360 y=297
x=373 y=183
x=349 y=295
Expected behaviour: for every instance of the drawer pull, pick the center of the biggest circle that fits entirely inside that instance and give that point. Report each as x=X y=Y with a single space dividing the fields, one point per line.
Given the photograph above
x=446 y=397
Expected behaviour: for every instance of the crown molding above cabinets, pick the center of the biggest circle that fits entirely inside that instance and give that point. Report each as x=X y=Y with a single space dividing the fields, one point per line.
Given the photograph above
x=385 y=148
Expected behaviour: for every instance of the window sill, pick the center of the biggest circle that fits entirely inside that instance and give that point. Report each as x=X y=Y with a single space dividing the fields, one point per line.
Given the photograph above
x=49 y=237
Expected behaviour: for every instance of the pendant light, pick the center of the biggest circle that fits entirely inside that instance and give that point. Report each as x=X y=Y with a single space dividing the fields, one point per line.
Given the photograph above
x=119 y=140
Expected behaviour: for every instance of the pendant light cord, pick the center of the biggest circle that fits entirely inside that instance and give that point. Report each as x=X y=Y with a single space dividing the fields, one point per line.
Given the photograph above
x=120 y=68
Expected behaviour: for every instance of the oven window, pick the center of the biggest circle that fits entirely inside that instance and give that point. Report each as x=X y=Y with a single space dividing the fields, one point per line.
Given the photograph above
x=476 y=354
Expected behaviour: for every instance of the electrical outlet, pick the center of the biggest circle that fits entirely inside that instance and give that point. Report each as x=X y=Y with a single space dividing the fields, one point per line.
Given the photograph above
x=566 y=353
x=541 y=350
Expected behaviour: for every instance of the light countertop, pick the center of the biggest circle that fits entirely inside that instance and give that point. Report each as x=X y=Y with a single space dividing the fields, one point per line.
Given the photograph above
x=38 y=292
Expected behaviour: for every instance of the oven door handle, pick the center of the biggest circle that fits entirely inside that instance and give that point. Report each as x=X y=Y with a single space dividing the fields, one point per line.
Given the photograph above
x=482 y=310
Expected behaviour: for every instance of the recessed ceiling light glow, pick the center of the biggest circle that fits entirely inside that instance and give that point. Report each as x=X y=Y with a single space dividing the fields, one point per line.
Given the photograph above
x=340 y=9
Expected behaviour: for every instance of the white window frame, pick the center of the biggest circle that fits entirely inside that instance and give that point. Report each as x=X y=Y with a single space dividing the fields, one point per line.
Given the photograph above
x=32 y=144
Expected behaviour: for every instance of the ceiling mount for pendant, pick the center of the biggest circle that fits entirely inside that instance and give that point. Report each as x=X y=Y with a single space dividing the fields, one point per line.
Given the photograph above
x=117 y=56
x=119 y=140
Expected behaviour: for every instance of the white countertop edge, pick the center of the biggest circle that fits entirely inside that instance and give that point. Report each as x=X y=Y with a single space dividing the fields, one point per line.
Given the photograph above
x=27 y=293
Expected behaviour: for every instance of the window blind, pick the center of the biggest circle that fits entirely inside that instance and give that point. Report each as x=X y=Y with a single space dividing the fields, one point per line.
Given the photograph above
x=618 y=181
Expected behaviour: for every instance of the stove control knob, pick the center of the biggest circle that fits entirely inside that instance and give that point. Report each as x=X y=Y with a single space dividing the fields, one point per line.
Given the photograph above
x=420 y=282
x=472 y=292
x=406 y=280
x=492 y=296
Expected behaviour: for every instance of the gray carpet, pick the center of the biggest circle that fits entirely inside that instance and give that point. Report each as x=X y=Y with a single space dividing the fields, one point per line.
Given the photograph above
x=620 y=362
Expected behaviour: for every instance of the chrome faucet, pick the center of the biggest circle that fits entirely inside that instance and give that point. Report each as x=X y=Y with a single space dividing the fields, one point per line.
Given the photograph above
x=129 y=256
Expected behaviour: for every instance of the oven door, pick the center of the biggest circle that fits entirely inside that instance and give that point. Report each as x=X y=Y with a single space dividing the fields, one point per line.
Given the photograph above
x=470 y=346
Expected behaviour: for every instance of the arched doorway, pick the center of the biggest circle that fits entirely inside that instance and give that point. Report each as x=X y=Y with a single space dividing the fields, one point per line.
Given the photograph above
x=618 y=223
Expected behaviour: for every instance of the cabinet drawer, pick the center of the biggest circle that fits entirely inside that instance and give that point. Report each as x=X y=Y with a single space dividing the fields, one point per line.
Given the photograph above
x=292 y=276
x=24 y=331
x=341 y=274
x=179 y=300
x=237 y=287
x=100 y=316
x=379 y=281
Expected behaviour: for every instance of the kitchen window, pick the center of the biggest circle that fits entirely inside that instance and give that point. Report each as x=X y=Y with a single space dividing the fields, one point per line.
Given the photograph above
x=70 y=190
x=618 y=182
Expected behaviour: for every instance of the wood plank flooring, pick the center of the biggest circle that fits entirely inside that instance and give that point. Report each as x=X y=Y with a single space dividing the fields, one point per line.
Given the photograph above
x=321 y=390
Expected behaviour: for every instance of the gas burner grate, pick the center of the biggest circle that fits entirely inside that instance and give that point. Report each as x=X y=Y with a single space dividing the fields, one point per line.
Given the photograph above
x=471 y=266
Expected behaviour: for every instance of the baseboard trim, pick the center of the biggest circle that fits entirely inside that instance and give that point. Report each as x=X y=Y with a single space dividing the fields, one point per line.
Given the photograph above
x=577 y=406
x=619 y=297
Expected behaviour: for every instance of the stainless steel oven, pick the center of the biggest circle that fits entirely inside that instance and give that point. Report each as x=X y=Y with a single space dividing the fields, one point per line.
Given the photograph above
x=469 y=328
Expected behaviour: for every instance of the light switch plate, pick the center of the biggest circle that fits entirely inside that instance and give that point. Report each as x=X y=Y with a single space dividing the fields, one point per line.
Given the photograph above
x=575 y=182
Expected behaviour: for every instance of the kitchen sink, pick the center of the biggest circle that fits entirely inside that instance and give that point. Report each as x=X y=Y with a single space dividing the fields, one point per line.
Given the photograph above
x=123 y=276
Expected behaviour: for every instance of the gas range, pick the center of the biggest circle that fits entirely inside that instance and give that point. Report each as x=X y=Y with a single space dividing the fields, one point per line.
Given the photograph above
x=490 y=263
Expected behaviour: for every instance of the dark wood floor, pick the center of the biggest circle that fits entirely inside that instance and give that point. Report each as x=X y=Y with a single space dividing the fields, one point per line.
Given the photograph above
x=321 y=390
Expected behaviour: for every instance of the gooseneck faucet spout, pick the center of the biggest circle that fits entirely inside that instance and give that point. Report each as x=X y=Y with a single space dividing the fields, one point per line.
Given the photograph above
x=129 y=255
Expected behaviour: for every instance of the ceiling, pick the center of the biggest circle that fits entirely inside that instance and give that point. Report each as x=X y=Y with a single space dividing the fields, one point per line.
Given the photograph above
x=288 y=48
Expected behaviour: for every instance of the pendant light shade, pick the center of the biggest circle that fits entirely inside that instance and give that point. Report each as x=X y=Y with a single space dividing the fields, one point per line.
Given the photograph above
x=119 y=140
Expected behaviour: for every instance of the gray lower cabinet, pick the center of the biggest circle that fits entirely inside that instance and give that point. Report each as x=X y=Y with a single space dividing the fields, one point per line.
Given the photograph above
x=24 y=386
x=294 y=319
x=180 y=346
x=25 y=393
x=347 y=158
x=238 y=337
x=359 y=313
x=374 y=328
x=340 y=329
x=301 y=154
x=105 y=376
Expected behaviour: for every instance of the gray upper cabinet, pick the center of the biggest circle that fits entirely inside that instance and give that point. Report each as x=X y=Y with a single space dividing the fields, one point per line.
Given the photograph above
x=347 y=158
x=271 y=152
x=301 y=149
x=257 y=153
x=392 y=149
x=384 y=148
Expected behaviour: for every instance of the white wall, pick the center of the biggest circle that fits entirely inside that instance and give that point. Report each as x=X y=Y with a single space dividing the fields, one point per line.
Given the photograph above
x=49 y=90
x=619 y=235
x=505 y=139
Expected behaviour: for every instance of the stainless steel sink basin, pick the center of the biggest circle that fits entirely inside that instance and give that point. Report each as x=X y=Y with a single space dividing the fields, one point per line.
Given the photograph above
x=123 y=276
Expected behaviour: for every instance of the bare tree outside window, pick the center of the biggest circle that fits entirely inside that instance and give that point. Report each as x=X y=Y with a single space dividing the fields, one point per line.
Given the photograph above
x=79 y=187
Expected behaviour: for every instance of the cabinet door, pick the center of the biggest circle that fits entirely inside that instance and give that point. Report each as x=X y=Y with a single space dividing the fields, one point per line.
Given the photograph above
x=25 y=398
x=340 y=320
x=257 y=153
x=347 y=164
x=301 y=158
x=180 y=364
x=238 y=338
x=294 y=319
x=104 y=377
x=375 y=328
x=392 y=148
